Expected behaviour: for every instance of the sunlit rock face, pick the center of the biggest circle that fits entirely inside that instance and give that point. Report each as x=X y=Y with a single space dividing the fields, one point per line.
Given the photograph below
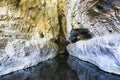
x=32 y=18
x=27 y=31
x=21 y=54
x=98 y=16
x=103 y=52
x=28 y=19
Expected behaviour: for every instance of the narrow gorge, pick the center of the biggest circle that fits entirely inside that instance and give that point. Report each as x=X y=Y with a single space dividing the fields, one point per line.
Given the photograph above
x=33 y=31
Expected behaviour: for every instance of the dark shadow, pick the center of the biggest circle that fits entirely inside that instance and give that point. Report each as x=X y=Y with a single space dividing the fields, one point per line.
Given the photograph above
x=79 y=34
x=55 y=69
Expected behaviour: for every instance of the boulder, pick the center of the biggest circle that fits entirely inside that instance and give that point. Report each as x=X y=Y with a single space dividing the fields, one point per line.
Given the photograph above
x=103 y=52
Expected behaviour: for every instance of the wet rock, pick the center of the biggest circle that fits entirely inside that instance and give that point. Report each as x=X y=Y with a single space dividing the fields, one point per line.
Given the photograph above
x=103 y=52
x=20 y=54
x=54 y=69
x=88 y=71
x=42 y=71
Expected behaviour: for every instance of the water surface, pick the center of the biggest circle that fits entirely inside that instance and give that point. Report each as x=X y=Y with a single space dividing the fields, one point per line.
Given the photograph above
x=63 y=67
x=55 y=69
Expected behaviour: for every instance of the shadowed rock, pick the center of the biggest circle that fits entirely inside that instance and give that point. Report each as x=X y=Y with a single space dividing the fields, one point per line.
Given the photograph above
x=78 y=34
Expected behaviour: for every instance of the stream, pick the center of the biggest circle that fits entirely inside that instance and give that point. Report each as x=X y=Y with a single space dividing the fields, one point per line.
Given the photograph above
x=63 y=67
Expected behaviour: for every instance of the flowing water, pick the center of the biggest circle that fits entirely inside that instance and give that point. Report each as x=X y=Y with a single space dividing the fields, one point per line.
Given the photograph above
x=63 y=67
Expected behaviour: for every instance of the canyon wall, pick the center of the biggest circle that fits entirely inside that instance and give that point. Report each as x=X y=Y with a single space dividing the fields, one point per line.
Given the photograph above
x=100 y=20
x=41 y=24
x=100 y=17
x=30 y=31
x=29 y=19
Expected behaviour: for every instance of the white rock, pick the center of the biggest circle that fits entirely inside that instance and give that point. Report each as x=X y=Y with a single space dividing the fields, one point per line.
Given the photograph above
x=102 y=51
x=3 y=10
x=82 y=14
x=20 y=55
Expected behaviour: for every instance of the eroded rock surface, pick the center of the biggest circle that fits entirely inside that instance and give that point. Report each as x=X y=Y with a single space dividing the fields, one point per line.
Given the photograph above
x=103 y=52
x=99 y=16
x=33 y=18
x=21 y=54
x=55 y=69
x=28 y=29
x=88 y=71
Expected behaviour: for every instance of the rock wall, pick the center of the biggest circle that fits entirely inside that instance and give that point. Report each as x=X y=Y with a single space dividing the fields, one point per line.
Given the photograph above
x=29 y=19
x=20 y=54
x=100 y=17
x=28 y=29
x=103 y=52
x=55 y=20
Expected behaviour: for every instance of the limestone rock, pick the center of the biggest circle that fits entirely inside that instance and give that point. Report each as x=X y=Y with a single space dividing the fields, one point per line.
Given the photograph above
x=27 y=28
x=21 y=54
x=3 y=42
x=88 y=71
x=103 y=52
x=33 y=17
x=42 y=71
x=99 y=16
x=55 y=69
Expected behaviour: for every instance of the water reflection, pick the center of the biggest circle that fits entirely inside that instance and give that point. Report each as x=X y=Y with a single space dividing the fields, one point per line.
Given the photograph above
x=61 y=68
x=87 y=71
x=56 y=69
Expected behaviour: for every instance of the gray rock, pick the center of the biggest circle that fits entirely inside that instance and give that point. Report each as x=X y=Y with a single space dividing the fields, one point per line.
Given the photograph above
x=21 y=54
x=99 y=17
x=103 y=52
x=88 y=71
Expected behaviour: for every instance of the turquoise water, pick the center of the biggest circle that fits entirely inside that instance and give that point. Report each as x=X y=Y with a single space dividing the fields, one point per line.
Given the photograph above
x=63 y=67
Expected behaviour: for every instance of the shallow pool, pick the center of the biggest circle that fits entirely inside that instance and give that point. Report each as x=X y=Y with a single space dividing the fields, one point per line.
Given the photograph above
x=63 y=67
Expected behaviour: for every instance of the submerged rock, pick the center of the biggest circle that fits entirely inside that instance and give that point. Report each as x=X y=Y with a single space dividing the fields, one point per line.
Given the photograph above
x=102 y=51
x=21 y=54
